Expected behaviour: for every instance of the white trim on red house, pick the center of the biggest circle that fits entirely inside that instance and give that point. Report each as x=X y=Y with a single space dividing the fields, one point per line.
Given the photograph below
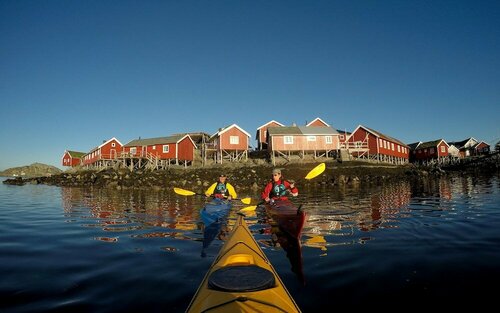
x=272 y=121
x=187 y=135
x=219 y=133
x=318 y=119
x=109 y=141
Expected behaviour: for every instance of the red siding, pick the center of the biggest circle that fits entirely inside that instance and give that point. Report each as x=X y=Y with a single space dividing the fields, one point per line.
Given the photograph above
x=379 y=145
x=263 y=131
x=317 y=123
x=225 y=140
x=106 y=152
x=432 y=152
x=69 y=161
x=186 y=150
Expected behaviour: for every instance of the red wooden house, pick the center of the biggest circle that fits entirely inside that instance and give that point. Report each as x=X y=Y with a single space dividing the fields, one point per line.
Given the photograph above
x=108 y=150
x=72 y=158
x=261 y=134
x=430 y=150
x=367 y=143
x=481 y=148
x=177 y=148
x=230 y=143
x=343 y=135
x=302 y=140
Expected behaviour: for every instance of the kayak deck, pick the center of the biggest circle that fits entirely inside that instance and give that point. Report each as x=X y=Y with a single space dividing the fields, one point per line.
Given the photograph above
x=241 y=279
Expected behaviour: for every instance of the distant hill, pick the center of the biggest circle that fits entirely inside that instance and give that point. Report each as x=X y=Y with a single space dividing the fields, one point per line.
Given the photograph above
x=33 y=170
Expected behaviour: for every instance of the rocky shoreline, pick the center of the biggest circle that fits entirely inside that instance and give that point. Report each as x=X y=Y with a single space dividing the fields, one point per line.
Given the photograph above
x=255 y=175
x=242 y=177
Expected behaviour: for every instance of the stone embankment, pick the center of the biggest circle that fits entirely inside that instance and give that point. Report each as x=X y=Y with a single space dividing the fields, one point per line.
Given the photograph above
x=243 y=177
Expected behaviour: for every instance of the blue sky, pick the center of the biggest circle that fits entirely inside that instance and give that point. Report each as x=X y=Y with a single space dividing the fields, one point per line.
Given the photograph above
x=73 y=73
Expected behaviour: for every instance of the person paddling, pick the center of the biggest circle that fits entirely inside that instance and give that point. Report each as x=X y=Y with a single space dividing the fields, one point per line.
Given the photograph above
x=278 y=188
x=221 y=189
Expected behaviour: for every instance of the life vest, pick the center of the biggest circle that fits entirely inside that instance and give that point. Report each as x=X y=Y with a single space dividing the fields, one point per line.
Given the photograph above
x=278 y=190
x=220 y=190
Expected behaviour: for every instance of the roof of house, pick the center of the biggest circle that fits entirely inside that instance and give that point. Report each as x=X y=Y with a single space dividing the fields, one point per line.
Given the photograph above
x=380 y=135
x=224 y=129
x=157 y=141
x=318 y=119
x=272 y=121
x=461 y=144
x=414 y=145
x=104 y=143
x=75 y=154
x=302 y=130
x=431 y=144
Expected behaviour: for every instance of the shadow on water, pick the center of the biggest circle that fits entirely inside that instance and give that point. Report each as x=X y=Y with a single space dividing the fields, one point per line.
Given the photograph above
x=429 y=240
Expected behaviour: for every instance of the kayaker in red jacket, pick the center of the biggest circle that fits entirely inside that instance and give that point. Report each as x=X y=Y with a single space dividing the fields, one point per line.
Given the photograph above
x=278 y=188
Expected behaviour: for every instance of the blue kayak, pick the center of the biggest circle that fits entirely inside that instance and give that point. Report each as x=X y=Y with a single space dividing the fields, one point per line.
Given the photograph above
x=214 y=216
x=215 y=210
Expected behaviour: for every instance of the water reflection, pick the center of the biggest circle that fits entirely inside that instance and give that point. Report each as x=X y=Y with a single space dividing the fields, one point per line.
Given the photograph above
x=336 y=216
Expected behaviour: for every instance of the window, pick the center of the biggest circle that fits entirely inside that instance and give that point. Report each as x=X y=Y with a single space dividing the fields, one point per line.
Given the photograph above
x=399 y=148
x=328 y=139
x=385 y=144
x=311 y=138
x=234 y=140
x=431 y=150
x=288 y=140
x=392 y=146
x=381 y=142
x=166 y=148
x=341 y=138
x=154 y=147
x=113 y=144
x=133 y=150
x=443 y=149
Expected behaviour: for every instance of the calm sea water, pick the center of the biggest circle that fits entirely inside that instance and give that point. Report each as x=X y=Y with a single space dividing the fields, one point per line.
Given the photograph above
x=392 y=247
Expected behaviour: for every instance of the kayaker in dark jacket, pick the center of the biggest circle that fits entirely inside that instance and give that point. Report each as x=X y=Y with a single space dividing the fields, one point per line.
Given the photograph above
x=221 y=189
x=278 y=188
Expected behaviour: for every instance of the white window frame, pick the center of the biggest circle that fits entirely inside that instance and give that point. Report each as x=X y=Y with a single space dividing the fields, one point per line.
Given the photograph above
x=392 y=146
x=154 y=147
x=328 y=139
x=443 y=149
x=234 y=140
x=381 y=142
x=288 y=140
x=113 y=144
x=311 y=138
x=399 y=148
x=133 y=150
x=166 y=150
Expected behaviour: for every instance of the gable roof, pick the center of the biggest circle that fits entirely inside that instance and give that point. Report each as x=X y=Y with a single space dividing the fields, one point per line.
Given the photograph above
x=380 y=135
x=159 y=140
x=225 y=129
x=414 y=146
x=431 y=144
x=75 y=154
x=461 y=144
x=103 y=144
x=318 y=119
x=271 y=121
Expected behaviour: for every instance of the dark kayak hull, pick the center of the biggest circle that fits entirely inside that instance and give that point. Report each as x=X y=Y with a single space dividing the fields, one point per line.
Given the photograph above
x=290 y=218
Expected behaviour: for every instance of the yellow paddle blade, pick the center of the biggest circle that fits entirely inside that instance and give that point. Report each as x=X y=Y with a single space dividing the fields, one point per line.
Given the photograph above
x=246 y=200
x=316 y=171
x=249 y=208
x=183 y=192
